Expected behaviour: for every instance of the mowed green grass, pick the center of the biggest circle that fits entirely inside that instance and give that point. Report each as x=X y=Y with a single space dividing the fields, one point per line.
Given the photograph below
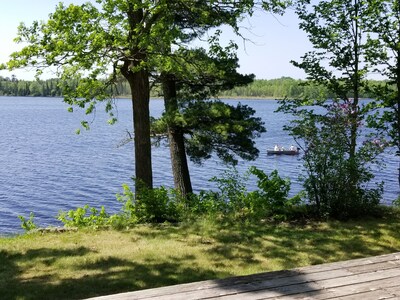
x=81 y=264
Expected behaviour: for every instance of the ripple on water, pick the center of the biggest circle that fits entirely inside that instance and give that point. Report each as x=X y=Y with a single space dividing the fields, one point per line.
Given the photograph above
x=45 y=167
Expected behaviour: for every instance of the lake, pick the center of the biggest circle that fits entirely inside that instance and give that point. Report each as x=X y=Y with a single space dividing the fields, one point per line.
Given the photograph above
x=45 y=167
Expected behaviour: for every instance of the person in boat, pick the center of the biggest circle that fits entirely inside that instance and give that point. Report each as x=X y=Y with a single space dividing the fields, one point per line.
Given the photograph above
x=276 y=148
x=293 y=148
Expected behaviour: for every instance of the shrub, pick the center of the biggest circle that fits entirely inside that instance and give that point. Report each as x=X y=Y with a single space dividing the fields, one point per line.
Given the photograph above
x=233 y=200
x=155 y=205
x=28 y=224
x=337 y=169
x=396 y=202
x=85 y=216
x=232 y=191
x=272 y=198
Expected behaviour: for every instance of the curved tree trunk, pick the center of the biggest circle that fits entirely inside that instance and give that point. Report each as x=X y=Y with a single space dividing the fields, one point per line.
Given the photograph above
x=179 y=163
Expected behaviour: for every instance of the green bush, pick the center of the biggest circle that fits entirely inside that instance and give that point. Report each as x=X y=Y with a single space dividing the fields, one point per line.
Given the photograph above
x=396 y=202
x=337 y=169
x=234 y=201
x=272 y=198
x=155 y=205
x=231 y=201
x=85 y=216
x=205 y=203
x=28 y=224
x=231 y=198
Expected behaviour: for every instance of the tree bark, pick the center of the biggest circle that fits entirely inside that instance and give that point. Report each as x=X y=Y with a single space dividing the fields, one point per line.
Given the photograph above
x=397 y=106
x=354 y=105
x=396 y=103
x=138 y=78
x=140 y=89
x=180 y=168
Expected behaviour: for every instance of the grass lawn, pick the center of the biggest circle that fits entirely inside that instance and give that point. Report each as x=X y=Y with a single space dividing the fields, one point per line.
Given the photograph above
x=76 y=265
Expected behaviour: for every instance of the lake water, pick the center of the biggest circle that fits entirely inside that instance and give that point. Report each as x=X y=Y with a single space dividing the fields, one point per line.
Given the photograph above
x=45 y=167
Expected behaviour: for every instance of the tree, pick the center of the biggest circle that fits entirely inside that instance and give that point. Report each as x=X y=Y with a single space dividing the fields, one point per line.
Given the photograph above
x=84 y=43
x=180 y=168
x=189 y=23
x=385 y=31
x=126 y=37
x=35 y=89
x=205 y=77
x=324 y=135
x=200 y=76
x=203 y=126
x=337 y=29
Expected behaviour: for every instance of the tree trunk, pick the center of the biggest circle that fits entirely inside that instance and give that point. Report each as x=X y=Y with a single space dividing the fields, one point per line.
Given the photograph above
x=396 y=103
x=354 y=105
x=397 y=106
x=138 y=78
x=140 y=89
x=180 y=168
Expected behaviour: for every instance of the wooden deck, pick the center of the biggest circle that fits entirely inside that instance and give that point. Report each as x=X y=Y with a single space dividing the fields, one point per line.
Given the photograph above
x=368 y=278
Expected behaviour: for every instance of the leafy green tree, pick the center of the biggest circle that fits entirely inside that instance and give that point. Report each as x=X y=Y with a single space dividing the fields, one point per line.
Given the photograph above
x=194 y=75
x=186 y=65
x=35 y=89
x=385 y=26
x=197 y=126
x=336 y=31
x=324 y=136
x=23 y=88
x=183 y=96
x=127 y=37
x=335 y=162
x=85 y=42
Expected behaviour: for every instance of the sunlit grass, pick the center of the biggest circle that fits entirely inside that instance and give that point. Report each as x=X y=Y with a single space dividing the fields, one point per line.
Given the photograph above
x=75 y=265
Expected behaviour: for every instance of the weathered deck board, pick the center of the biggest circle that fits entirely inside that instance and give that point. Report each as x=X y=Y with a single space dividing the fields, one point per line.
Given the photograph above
x=368 y=278
x=352 y=289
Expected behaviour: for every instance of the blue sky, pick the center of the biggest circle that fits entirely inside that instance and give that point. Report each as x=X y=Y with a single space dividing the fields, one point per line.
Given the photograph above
x=275 y=40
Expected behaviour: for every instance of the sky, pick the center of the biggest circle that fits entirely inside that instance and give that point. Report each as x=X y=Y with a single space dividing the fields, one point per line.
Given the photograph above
x=274 y=40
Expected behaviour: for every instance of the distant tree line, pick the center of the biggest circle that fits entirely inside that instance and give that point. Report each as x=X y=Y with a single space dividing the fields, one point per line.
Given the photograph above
x=261 y=88
x=286 y=87
x=15 y=87
x=51 y=88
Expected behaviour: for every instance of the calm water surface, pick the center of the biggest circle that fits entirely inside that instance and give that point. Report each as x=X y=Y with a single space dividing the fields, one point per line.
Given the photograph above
x=45 y=167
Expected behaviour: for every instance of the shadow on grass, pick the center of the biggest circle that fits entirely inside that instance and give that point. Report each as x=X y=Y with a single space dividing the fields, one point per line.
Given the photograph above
x=118 y=276
x=291 y=246
x=244 y=245
x=321 y=243
x=106 y=275
x=288 y=244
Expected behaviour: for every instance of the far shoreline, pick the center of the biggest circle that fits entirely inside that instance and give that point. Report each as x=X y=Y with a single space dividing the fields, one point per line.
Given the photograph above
x=161 y=98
